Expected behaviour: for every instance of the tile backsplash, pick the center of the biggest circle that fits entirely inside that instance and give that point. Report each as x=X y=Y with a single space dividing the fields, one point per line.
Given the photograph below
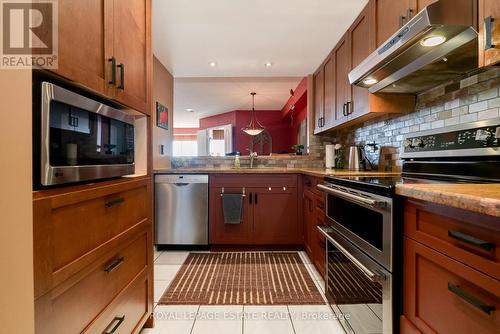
x=474 y=98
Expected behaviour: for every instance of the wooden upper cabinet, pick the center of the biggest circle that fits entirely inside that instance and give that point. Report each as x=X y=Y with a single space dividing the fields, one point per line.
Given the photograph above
x=489 y=32
x=342 y=86
x=93 y=32
x=329 y=93
x=318 y=79
x=82 y=43
x=389 y=15
x=362 y=44
x=131 y=36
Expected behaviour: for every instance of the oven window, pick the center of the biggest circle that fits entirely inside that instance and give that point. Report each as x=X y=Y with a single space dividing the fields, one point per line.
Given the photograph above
x=365 y=223
x=79 y=137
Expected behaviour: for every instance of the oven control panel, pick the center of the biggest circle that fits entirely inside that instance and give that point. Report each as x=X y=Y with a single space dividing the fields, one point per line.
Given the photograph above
x=485 y=136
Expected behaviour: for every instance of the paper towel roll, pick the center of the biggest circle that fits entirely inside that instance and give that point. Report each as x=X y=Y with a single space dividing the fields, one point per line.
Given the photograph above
x=330 y=156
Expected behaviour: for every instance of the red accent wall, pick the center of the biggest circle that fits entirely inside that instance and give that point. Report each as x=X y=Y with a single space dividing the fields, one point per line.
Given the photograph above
x=186 y=133
x=299 y=113
x=271 y=119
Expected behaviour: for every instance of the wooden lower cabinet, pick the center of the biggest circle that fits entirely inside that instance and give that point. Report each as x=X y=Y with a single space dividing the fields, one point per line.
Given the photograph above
x=270 y=210
x=313 y=216
x=451 y=281
x=275 y=216
x=91 y=242
x=445 y=296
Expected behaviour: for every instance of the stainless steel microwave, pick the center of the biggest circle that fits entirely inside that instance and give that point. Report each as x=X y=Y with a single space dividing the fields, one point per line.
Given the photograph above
x=77 y=138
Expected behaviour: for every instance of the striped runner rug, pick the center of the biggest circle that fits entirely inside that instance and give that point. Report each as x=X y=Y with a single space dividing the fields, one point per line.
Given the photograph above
x=243 y=278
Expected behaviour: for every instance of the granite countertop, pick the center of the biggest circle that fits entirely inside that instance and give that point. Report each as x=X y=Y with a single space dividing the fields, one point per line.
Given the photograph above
x=318 y=172
x=481 y=198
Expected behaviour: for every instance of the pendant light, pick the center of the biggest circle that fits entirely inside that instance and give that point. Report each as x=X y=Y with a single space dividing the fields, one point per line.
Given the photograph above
x=254 y=127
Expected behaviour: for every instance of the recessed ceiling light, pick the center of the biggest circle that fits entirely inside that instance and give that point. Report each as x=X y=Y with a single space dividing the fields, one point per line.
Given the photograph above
x=212 y=64
x=268 y=64
x=190 y=110
x=433 y=40
x=370 y=81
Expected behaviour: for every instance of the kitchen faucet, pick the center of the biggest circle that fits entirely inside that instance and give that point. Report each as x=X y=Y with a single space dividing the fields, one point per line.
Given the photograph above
x=253 y=155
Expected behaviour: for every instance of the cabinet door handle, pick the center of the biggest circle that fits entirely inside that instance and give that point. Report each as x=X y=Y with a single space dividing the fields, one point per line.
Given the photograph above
x=114 y=201
x=401 y=21
x=256 y=199
x=250 y=198
x=344 y=107
x=409 y=14
x=471 y=299
x=113 y=70
x=348 y=108
x=488 y=28
x=114 y=265
x=122 y=76
x=471 y=240
x=117 y=321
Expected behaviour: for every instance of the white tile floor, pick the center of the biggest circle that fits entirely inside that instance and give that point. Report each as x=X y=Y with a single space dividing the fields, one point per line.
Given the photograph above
x=233 y=319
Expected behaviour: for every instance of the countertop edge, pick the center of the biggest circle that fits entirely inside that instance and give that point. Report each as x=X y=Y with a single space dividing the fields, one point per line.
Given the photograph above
x=483 y=205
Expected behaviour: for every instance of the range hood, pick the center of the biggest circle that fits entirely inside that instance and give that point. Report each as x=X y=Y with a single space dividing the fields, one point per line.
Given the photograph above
x=438 y=45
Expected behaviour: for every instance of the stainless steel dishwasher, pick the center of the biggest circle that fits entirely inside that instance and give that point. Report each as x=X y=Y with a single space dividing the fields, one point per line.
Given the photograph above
x=181 y=209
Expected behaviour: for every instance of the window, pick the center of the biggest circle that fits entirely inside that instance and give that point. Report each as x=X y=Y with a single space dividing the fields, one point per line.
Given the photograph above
x=185 y=148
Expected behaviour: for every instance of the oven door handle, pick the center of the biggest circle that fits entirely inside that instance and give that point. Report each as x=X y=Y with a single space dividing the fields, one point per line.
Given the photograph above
x=372 y=276
x=352 y=197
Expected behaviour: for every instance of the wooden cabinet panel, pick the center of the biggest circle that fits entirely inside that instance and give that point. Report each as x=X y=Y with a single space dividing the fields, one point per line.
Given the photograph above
x=131 y=36
x=221 y=233
x=270 y=211
x=445 y=296
x=82 y=52
x=74 y=228
x=314 y=215
x=67 y=308
x=362 y=44
x=253 y=180
x=406 y=327
x=318 y=78
x=342 y=86
x=275 y=216
x=417 y=5
x=467 y=237
x=127 y=312
x=309 y=222
x=389 y=14
x=489 y=55
x=329 y=93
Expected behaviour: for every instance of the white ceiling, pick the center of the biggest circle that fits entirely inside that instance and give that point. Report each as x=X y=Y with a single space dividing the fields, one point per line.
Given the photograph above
x=241 y=35
x=211 y=96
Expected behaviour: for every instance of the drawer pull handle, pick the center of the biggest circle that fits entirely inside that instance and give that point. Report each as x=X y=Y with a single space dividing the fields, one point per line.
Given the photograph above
x=471 y=240
x=114 y=265
x=114 y=201
x=113 y=329
x=471 y=299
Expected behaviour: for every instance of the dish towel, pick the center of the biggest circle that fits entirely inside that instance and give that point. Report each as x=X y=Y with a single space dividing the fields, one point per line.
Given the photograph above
x=232 y=207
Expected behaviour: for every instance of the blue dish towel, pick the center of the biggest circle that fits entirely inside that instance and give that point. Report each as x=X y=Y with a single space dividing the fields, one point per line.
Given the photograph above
x=232 y=207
